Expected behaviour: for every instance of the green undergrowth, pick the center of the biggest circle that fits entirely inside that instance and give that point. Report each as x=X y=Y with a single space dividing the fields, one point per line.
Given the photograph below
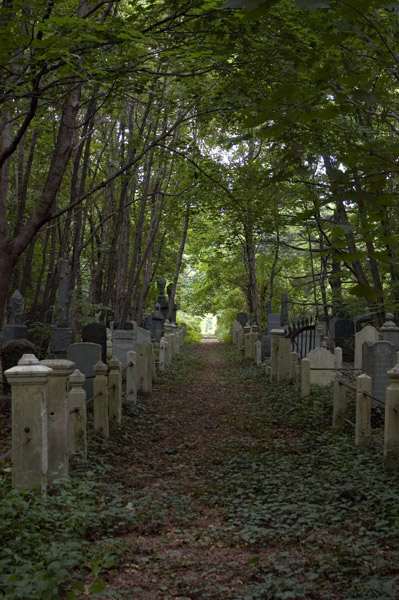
x=52 y=544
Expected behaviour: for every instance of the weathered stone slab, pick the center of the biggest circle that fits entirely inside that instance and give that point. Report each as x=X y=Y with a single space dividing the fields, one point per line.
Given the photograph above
x=367 y=334
x=320 y=359
x=273 y=322
x=122 y=342
x=85 y=355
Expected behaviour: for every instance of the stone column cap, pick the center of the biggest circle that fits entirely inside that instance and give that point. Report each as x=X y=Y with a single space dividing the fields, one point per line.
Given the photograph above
x=60 y=366
x=28 y=367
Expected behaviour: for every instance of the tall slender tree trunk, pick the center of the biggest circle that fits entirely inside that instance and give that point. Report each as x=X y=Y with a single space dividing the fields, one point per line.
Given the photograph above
x=179 y=260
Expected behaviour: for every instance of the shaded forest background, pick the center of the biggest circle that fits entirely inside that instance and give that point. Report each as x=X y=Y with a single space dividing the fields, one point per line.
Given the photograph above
x=240 y=149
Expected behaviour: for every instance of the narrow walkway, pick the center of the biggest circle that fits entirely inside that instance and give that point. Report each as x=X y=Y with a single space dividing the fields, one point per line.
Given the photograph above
x=238 y=496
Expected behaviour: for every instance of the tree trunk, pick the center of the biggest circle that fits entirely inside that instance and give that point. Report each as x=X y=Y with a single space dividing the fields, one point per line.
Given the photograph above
x=179 y=260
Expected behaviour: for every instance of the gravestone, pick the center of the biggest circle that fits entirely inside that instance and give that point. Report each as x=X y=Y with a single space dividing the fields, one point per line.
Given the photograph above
x=367 y=334
x=343 y=335
x=378 y=359
x=320 y=359
x=284 y=310
x=141 y=335
x=266 y=341
x=62 y=336
x=147 y=321
x=15 y=329
x=273 y=322
x=175 y=306
x=11 y=353
x=122 y=343
x=242 y=318
x=96 y=333
x=85 y=355
x=157 y=323
x=390 y=331
x=162 y=300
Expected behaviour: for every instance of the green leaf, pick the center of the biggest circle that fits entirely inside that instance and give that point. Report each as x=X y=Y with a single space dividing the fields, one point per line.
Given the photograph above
x=364 y=291
x=98 y=587
x=313 y=4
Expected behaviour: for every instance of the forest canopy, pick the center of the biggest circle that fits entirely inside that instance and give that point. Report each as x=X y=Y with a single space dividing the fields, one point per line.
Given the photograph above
x=239 y=148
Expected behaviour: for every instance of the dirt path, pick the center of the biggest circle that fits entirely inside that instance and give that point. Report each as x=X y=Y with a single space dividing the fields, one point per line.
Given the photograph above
x=173 y=552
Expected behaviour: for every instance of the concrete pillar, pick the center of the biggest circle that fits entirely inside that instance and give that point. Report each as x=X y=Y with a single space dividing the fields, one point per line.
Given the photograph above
x=58 y=417
x=247 y=342
x=162 y=351
x=28 y=381
x=391 y=429
x=144 y=379
x=77 y=425
x=339 y=405
x=258 y=353
x=276 y=334
x=254 y=338
x=240 y=338
x=115 y=390
x=295 y=370
x=100 y=393
x=305 y=377
x=363 y=410
x=284 y=359
x=337 y=358
x=131 y=377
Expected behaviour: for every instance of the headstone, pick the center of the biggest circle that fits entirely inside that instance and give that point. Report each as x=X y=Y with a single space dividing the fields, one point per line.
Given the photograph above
x=343 y=334
x=367 y=334
x=242 y=318
x=141 y=335
x=390 y=331
x=266 y=346
x=62 y=335
x=147 y=321
x=96 y=333
x=162 y=300
x=273 y=322
x=284 y=309
x=85 y=355
x=122 y=342
x=175 y=306
x=157 y=323
x=378 y=359
x=320 y=359
x=15 y=329
x=11 y=353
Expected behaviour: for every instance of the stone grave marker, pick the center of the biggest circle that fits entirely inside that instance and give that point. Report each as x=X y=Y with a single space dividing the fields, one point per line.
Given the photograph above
x=343 y=333
x=15 y=328
x=141 y=335
x=122 y=342
x=157 y=323
x=85 y=355
x=242 y=318
x=321 y=358
x=62 y=335
x=273 y=322
x=367 y=334
x=378 y=359
x=96 y=333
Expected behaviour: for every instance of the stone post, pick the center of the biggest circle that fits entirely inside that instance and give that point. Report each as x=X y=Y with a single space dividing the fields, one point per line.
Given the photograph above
x=258 y=353
x=254 y=338
x=77 y=438
x=295 y=369
x=337 y=358
x=284 y=359
x=151 y=360
x=305 y=377
x=144 y=379
x=162 y=350
x=247 y=341
x=168 y=355
x=100 y=393
x=58 y=417
x=276 y=335
x=339 y=405
x=115 y=390
x=131 y=377
x=363 y=410
x=28 y=383
x=391 y=429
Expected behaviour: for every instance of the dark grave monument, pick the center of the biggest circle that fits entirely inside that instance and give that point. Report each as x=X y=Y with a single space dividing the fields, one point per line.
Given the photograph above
x=175 y=306
x=85 y=355
x=147 y=321
x=96 y=333
x=343 y=334
x=62 y=335
x=162 y=300
x=157 y=323
x=284 y=310
x=15 y=328
x=242 y=318
x=10 y=355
